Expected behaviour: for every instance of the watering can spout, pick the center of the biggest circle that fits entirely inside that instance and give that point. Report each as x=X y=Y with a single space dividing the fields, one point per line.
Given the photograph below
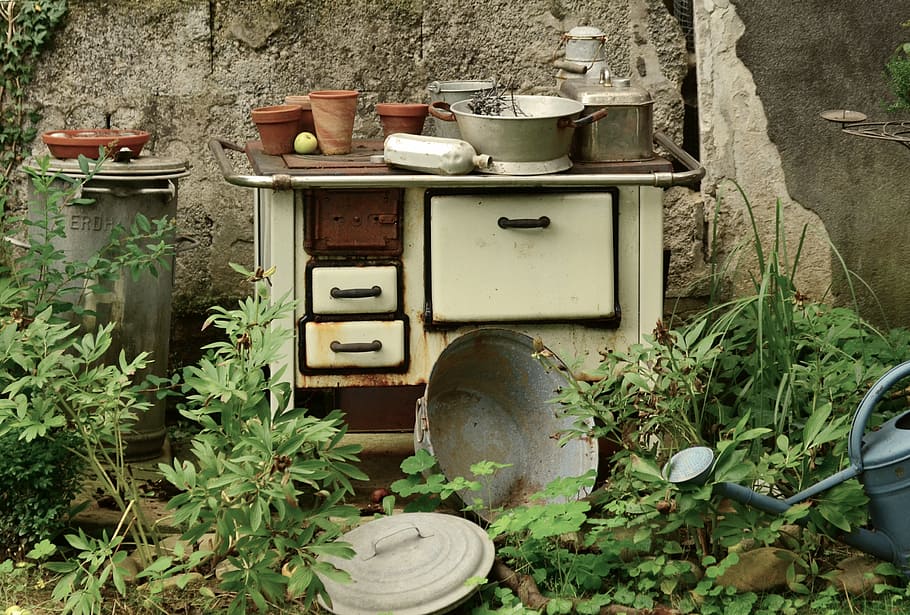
x=693 y=467
x=875 y=543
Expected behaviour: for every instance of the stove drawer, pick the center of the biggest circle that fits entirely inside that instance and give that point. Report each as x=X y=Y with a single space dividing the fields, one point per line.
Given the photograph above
x=355 y=344
x=354 y=290
x=529 y=257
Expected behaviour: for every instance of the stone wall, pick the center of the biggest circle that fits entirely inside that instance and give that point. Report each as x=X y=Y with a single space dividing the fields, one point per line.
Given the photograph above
x=766 y=70
x=189 y=70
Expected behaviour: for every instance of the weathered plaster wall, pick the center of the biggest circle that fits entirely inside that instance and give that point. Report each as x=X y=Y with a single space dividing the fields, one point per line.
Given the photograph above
x=187 y=70
x=766 y=70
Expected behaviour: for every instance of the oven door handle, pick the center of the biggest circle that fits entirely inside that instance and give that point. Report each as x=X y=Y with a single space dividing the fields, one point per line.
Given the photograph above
x=374 y=346
x=355 y=293
x=541 y=222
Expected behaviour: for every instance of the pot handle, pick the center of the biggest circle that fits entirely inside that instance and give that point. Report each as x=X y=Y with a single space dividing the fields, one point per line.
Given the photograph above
x=584 y=121
x=439 y=109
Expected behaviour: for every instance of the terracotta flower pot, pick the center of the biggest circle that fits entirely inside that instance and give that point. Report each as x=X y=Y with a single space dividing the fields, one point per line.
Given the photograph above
x=306 y=112
x=72 y=143
x=401 y=117
x=277 y=128
x=333 y=113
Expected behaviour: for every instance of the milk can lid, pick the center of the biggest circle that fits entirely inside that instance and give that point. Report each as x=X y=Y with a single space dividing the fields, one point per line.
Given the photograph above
x=585 y=32
x=409 y=564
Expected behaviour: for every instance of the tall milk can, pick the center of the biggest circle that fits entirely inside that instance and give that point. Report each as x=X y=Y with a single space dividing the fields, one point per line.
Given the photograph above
x=140 y=308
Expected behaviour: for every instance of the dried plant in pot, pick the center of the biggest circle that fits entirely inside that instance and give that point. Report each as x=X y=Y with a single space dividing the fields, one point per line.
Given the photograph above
x=401 y=117
x=277 y=125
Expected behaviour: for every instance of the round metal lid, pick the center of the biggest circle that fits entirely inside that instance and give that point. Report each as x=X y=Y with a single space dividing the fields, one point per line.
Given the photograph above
x=592 y=93
x=585 y=32
x=409 y=564
x=140 y=167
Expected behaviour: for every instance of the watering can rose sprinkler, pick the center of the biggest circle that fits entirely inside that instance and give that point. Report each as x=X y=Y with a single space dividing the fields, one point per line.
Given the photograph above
x=880 y=459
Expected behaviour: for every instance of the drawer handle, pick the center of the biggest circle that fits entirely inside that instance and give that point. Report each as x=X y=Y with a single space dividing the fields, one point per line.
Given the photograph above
x=374 y=346
x=541 y=222
x=355 y=293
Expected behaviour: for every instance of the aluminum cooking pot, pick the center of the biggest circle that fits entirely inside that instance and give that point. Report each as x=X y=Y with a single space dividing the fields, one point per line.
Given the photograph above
x=532 y=135
x=628 y=131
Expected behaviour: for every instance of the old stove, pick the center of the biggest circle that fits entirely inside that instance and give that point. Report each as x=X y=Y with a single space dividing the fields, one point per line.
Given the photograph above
x=389 y=266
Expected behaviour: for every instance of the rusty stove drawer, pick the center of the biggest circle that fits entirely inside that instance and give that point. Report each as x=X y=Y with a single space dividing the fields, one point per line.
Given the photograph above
x=353 y=222
x=354 y=290
x=365 y=344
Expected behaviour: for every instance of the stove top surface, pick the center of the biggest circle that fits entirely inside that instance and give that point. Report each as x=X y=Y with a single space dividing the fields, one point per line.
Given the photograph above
x=358 y=162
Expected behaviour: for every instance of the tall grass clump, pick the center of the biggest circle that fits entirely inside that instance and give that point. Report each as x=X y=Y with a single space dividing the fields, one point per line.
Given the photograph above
x=770 y=381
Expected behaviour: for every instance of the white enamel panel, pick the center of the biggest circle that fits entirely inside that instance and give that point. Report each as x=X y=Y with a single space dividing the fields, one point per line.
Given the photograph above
x=380 y=283
x=482 y=272
x=320 y=338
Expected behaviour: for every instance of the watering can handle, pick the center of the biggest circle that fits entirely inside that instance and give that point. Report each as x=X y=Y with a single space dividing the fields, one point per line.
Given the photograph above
x=870 y=400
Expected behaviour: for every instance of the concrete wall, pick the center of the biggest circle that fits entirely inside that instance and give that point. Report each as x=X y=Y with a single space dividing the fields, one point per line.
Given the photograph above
x=765 y=72
x=188 y=70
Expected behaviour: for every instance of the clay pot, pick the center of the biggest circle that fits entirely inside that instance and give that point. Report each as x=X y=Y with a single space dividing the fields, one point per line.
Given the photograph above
x=333 y=113
x=306 y=112
x=401 y=117
x=72 y=143
x=277 y=128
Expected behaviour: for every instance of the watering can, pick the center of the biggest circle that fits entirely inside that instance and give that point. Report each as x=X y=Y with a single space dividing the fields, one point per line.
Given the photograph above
x=880 y=459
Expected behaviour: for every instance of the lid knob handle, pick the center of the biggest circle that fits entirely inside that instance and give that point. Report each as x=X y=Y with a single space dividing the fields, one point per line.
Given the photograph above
x=374 y=547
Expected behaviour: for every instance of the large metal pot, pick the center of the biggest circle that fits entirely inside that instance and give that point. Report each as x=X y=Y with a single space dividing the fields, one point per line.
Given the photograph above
x=627 y=132
x=531 y=136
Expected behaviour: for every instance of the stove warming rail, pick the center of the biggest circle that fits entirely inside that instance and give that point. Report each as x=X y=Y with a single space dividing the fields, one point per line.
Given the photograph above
x=283 y=181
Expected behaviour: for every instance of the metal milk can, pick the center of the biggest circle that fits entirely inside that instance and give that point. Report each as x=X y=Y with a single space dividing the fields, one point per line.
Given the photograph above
x=584 y=54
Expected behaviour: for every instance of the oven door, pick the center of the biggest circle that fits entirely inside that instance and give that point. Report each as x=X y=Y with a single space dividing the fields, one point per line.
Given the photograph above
x=512 y=257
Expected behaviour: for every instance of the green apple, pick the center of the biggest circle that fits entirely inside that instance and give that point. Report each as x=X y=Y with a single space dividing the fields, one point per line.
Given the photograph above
x=305 y=143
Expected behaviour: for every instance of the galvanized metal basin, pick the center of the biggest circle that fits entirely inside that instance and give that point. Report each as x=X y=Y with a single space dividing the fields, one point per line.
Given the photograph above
x=489 y=399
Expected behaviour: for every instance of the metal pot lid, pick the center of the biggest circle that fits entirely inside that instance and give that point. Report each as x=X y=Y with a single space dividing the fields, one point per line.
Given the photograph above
x=592 y=93
x=144 y=167
x=409 y=564
x=585 y=32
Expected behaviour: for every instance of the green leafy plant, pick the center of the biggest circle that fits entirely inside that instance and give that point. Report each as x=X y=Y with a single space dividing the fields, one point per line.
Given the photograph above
x=55 y=383
x=897 y=73
x=37 y=484
x=268 y=481
x=769 y=381
x=27 y=28
x=424 y=480
x=86 y=575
